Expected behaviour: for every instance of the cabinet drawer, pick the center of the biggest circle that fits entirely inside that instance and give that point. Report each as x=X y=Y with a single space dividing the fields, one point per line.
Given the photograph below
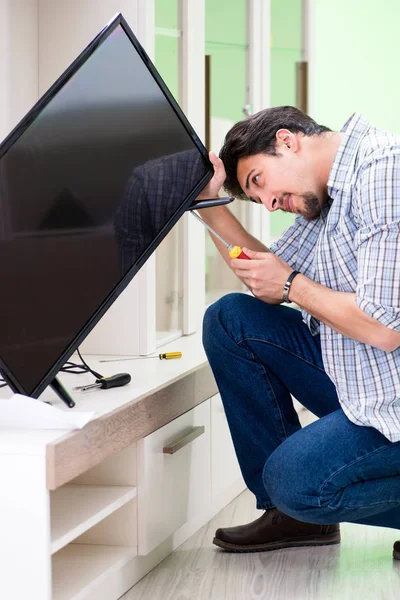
x=174 y=476
x=224 y=465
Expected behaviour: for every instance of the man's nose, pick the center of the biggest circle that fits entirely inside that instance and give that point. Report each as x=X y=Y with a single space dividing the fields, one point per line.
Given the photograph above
x=272 y=204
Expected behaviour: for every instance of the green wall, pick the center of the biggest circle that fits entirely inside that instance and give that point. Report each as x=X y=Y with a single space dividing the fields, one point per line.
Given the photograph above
x=225 y=32
x=166 y=47
x=285 y=50
x=357 y=53
x=286 y=42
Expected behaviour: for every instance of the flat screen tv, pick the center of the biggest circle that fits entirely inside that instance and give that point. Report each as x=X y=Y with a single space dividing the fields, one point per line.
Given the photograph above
x=91 y=181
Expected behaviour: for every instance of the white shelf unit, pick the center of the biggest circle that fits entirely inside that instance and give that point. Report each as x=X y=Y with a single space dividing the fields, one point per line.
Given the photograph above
x=94 y=527
x=79 y=569
x=77 y=508
x=80 y=540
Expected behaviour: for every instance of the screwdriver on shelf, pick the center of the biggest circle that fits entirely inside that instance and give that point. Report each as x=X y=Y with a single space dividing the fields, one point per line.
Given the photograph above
x=165 y=355
x=234 y=251
x=105 y=383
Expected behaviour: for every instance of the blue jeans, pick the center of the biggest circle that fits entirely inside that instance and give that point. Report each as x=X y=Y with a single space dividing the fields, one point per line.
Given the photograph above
x=328 y=472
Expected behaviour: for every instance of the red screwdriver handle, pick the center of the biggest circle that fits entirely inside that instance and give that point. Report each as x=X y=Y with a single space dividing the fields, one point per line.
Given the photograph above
x=237 y=252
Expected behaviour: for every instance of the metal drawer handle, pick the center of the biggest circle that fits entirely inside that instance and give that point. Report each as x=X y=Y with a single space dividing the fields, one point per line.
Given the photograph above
x=194 y=433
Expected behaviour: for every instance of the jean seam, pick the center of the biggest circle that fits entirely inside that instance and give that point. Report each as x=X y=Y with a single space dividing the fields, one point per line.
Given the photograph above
x=385 y=502
x=283 y=349
x=357 y=460
x=273 y=391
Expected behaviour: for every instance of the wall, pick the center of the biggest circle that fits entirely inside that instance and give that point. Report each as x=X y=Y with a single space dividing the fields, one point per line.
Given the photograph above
x=286 y=50
x=18 y=61
x=66 y=28
x=354 y=54
x=226 y=43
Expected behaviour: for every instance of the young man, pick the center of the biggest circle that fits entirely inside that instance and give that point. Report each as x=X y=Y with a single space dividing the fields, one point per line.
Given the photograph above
x=339 y=356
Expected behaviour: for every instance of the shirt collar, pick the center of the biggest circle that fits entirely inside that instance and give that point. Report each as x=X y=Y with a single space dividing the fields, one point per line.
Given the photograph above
x=342 y=168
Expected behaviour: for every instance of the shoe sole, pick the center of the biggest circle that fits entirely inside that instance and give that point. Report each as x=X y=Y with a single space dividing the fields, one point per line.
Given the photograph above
x=327 y=540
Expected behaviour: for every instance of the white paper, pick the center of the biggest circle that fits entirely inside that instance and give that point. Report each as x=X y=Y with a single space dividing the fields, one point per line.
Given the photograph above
x=22 y=412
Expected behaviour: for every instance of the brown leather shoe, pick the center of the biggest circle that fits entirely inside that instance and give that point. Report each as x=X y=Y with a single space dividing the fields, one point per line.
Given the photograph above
x=396 y=550
x=274 y=530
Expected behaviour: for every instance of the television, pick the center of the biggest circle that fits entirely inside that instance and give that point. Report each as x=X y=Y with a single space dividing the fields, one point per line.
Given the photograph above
x=91 y=181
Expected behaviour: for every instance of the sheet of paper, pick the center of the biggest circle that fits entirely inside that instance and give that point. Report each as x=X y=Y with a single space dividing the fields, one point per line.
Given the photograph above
x=22 y=412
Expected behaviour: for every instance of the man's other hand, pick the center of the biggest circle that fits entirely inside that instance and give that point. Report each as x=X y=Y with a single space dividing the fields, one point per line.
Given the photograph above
x=214 y=185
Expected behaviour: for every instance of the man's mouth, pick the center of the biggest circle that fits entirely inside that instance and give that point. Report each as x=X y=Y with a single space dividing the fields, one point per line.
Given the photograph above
x=287 y=203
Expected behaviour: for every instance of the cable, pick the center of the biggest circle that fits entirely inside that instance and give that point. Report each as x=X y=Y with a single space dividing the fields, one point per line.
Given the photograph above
x=71 y=367
x=74 y=368
x=97 y=375
x=3 y=383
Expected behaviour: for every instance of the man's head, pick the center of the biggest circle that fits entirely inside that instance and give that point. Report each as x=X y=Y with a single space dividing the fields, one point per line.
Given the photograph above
x=280 y=157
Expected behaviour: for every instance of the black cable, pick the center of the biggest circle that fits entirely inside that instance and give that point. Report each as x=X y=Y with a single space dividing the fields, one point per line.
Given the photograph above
x=71 y=367
x=2 y=381
x=97 y=375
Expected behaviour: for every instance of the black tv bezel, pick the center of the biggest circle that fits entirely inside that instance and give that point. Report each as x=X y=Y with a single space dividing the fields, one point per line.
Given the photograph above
x=23 y=125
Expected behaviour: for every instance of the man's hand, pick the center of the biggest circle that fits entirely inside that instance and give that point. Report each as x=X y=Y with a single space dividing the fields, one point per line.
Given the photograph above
x=213 y=187
x=265 y=274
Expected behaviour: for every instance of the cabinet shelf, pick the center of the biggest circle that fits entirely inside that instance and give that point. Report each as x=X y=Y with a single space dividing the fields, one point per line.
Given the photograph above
x=77 y=508
x=79 y=568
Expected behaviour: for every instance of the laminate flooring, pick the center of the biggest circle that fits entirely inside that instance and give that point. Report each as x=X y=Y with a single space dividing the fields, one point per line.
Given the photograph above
x=360 y=568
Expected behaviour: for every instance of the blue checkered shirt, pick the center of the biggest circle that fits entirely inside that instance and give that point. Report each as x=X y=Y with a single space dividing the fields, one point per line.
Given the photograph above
x=355 y=247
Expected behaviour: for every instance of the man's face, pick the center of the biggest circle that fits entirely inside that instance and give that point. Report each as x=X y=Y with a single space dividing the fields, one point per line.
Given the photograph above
x=286 y=181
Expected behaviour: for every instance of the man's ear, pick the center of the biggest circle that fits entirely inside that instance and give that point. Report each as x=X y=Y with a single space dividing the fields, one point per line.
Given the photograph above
x=288 y=139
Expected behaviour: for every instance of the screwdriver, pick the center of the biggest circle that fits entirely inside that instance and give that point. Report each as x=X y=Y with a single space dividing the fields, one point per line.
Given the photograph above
x=234 y=251
x=105 y=383
x=165 y=355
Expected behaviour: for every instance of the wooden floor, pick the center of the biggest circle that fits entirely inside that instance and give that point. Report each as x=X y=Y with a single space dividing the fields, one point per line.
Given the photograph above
x=360 y=568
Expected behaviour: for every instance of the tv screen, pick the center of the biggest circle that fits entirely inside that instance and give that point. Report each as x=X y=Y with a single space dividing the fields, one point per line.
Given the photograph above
x=91 y=181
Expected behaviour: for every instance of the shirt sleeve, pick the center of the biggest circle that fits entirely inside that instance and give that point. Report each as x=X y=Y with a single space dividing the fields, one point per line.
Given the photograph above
x=378 y=240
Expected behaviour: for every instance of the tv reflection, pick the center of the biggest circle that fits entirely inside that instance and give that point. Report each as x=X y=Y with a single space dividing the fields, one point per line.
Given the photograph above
x=154 y=192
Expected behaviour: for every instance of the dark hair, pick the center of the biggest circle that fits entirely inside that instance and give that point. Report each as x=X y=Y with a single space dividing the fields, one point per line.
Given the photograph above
x=257 y=134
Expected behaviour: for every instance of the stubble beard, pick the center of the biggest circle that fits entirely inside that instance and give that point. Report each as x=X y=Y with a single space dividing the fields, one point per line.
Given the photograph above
x=311 y=208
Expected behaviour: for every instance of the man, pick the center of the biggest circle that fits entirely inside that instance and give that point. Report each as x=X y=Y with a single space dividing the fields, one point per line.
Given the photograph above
x=339 y=356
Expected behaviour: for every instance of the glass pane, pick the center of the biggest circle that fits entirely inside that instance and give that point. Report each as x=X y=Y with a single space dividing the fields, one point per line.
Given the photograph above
x=169 y=306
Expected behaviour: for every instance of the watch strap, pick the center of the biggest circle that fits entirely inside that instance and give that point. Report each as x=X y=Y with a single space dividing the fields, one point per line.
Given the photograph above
x=286 y=287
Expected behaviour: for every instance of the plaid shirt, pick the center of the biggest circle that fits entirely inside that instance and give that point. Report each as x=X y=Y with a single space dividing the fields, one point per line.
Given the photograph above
x=355 y=247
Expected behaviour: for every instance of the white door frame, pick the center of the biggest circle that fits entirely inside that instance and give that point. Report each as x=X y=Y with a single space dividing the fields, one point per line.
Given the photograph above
x=192 y=94
x=258 y=90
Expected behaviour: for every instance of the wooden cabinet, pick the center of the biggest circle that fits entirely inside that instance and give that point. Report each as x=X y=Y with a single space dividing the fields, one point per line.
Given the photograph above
x=164 y=465
x=174 y=479
x=134 y=503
